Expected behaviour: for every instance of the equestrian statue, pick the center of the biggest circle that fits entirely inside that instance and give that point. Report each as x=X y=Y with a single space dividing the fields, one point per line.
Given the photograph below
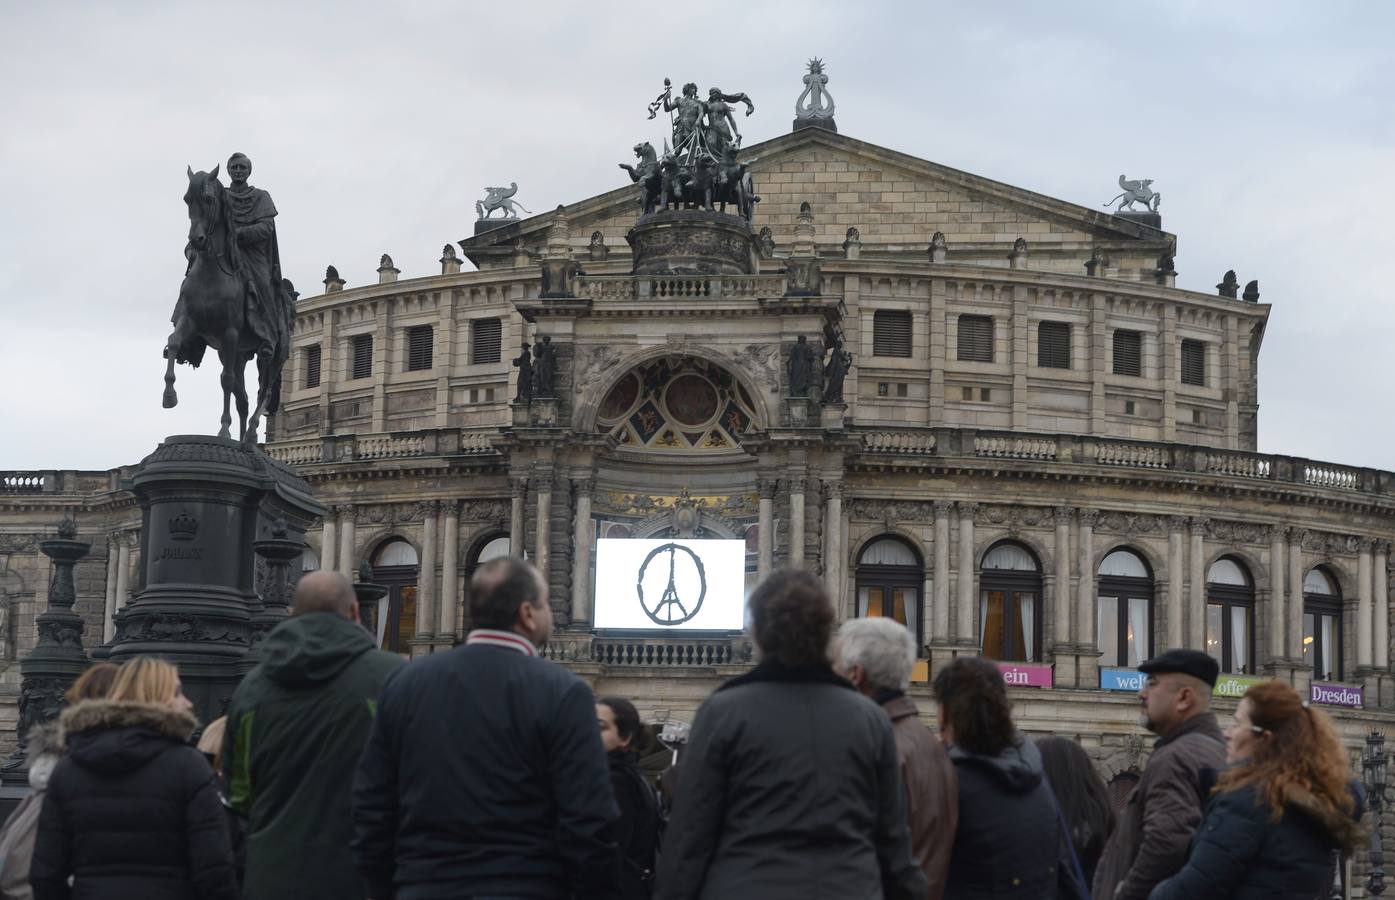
x=233 y=297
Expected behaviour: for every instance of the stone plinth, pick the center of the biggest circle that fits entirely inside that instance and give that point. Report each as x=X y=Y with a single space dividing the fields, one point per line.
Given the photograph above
x=483 y=225
x=692 y=242
x=206 y=504
x=1151 y=219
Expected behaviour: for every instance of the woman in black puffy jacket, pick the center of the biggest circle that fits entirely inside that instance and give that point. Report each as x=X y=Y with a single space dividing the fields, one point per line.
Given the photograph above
x=132 y=810
x=637 y=830
x=1284 y=804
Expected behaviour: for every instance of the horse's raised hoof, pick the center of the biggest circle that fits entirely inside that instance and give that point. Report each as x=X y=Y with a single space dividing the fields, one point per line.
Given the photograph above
x=171 y=399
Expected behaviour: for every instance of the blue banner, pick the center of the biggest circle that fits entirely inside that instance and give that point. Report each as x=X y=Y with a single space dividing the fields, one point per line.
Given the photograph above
x=1121 y=680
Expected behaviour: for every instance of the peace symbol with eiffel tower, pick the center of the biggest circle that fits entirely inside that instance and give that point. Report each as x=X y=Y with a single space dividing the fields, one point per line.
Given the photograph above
x=671 y=608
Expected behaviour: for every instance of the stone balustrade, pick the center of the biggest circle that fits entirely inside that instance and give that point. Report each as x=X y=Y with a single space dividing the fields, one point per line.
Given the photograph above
x=628 y=287
x=57 y=481
x=649 y=651
x=1068 y=449
x=383 y=446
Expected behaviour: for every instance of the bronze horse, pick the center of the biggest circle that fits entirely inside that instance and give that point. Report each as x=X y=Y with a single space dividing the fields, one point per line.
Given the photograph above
x=212 y=310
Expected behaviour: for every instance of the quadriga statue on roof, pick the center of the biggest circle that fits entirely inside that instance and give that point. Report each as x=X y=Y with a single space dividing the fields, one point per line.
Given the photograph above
x=233 y=297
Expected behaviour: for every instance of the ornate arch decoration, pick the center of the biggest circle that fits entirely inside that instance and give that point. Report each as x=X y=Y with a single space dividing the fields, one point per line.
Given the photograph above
x=676 y=399
x=1260 y=579
x=378 y=541
x=1028 y=543
x=1151 y=559
x=879 y=531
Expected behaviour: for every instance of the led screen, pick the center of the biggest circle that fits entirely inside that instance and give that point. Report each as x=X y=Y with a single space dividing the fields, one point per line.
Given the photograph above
x=670 y=585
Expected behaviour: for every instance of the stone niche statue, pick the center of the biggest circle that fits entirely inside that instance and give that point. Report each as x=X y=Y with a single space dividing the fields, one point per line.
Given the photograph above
x=524 y=363
x=801 y=368
x=545 y=367
x=835 y=371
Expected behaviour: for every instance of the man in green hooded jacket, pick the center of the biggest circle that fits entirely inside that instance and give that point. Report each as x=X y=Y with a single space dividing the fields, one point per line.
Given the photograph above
x=296 y=726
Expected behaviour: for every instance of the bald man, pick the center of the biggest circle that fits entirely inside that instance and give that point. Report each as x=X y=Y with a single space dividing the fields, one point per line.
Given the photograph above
x=295 y=729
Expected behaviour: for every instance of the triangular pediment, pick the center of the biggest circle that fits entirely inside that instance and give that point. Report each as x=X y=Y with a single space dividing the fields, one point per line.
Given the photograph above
x=894 y=201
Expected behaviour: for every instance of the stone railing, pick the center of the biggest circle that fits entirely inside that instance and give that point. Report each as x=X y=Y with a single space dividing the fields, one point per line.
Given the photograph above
x=382 y=446
x=57 y=481
x=27 y=482
x=946 y=444
x=642 y=287
x=642 y=651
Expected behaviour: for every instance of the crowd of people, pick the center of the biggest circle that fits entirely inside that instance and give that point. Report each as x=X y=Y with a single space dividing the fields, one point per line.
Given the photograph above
x=490 y=773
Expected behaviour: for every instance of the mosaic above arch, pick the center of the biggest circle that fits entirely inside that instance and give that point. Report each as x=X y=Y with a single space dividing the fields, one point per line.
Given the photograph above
x=677 y=404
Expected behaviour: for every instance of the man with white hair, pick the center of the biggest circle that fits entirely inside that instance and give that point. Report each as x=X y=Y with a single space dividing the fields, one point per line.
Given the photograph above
x=877 y=655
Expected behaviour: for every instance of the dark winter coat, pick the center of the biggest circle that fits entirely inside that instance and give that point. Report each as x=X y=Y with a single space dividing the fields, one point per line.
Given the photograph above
x=1240 y=853
x=1008 y=843
x=296 y=727
x=637 y=829
x=789 y=788
x=131 y=811
x=931 y=793
x=485 y=776
x=1161 y=813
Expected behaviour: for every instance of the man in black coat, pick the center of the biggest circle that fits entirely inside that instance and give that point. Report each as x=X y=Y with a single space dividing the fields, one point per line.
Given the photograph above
x=485 y=775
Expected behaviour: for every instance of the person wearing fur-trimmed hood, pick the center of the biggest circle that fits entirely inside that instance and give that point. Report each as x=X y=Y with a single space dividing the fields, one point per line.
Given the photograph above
x=132 y=809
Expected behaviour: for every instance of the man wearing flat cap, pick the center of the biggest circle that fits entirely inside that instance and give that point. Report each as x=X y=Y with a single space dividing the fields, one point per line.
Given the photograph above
x=1164 y=809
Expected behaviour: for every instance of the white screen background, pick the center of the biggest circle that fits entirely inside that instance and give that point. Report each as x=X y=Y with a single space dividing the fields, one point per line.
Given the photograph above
x=618 y=562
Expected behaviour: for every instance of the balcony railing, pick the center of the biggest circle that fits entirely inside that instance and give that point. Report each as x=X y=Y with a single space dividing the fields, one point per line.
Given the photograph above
x=56 y=481
x=961 y=443
x=629 y=287
x=649 y=652
x=383 y=446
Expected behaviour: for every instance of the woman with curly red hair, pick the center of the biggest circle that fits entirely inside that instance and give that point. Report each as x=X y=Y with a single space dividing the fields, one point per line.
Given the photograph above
x=1285 y=802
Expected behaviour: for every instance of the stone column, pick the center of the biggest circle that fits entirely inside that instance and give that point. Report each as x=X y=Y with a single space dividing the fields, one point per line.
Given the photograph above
x=518 y=487
x=833 y=541
x=581 y=552
x=796 y=549
x=542 y=487
x=109 y=614
x=1364 y=636
x=123 y=569
x=1176 y=579
x=940 y=607
x=426 y=581
x=1278 y=625
x=1060 y=622
x=1196 y=632
x=450 y=574
x=1295 y=597
x=329 y=543
x=964 y=629
x=1381 y=633
x=765 y=557
x=346 y=542
x=1085 y=598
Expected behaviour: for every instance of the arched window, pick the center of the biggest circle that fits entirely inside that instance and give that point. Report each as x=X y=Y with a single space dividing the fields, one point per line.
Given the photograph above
x=1009 y=598
x=309 y=561
x=889 y=578
x=493 y=549
x=1125 y=609
x=1230 y=616
x=1322 y=625
x=395 y=568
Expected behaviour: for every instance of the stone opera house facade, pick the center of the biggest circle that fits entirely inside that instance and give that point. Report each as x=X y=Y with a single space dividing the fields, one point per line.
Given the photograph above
x=1043 y=451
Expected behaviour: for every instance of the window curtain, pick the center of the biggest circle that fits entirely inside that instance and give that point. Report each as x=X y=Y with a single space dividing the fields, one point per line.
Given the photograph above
x=1027 y=609
x=1239 y=634
x=1138 y=630
x=1108 y=631
x=912 y=605
x=1329 y=645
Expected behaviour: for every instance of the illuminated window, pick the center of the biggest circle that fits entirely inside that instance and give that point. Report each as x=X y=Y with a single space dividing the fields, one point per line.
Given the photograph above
x=1009 y=602
x=1322 y=625
x=394 y=618
x=889 y=579
x=1125 y=609
x=1230 y=622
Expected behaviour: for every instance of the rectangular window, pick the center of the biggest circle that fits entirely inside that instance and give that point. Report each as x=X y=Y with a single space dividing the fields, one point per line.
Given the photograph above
x=976 y=338
x=485 y=336
x=1193 y=362
x=1053 y=345
x=419 y=348
x=1229 y=636
x=1124 y=630
x=1129 y=407
x=489 y=395
x=883 y=389
x=968 y=393
x=891 y=332
x=1322 y=641
x=1007 y=625
x=363 y=356
x=985 y=394
x=312 y=365
x=1128 y=352
x=901 y=390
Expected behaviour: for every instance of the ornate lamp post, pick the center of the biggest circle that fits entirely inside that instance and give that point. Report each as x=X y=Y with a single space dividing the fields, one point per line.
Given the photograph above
x=278 y=551
x=58 y=658
x=1373 y=766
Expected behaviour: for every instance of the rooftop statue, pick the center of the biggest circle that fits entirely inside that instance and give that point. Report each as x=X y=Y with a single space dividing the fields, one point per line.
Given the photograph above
x=500 y=198
x=233 y=298
x=811 y=104
x=700 y=169
x=1136 y=192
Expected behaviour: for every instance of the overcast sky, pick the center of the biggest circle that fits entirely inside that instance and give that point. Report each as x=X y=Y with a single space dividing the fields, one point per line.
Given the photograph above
x=1269 y=129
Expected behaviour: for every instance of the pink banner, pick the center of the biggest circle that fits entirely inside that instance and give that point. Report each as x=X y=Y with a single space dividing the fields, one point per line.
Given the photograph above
x=1026 y=675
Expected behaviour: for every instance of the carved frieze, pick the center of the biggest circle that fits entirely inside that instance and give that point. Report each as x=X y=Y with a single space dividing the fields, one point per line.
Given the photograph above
x=727 y=506
x=1236 y=533
x=593 y=363
x=892 y=512
x=762 y=361
x=1129 y=524
x=1015 y=518
x=18 y=543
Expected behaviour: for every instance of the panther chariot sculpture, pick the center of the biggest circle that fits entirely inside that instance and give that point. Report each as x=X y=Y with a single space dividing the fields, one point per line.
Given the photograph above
x=500 y=198
x=1139 y=191
x=699 y=169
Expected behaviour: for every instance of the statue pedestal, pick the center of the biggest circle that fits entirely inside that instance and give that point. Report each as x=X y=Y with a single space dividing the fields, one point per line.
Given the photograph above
x=559 y=278
x=521 y=416
x=832 y=416
x=1151 y=219
x=544 y=412
x=483 y=225
x=692 y=242
x=799 y=412
x=206 y=502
